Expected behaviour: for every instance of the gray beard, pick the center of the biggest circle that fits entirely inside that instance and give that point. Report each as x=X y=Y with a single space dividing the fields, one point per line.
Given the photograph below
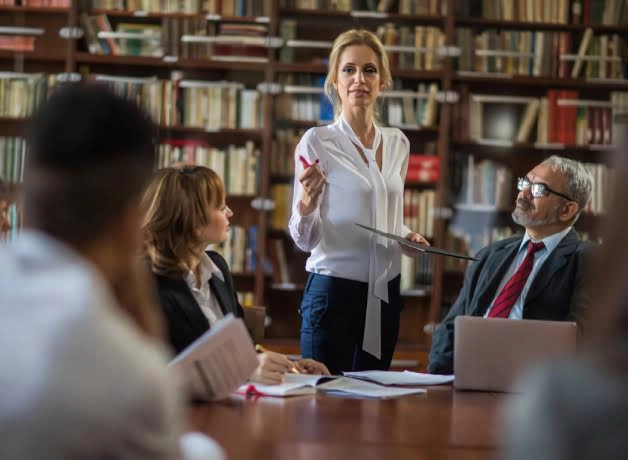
x=520 y=217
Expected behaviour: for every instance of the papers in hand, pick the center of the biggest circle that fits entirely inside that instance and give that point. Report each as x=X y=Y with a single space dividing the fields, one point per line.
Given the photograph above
x=417 y=247
x=216 y=363
x=400 y=378
x=299 y=384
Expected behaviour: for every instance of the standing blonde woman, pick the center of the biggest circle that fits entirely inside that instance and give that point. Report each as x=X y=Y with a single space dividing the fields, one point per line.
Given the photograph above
x=349 y=172
x=185 y=211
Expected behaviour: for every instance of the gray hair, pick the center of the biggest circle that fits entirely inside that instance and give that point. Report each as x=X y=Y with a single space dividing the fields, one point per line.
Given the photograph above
x=579 y=179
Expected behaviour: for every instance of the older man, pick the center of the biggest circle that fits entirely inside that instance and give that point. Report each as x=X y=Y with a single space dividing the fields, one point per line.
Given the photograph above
x=539 y=275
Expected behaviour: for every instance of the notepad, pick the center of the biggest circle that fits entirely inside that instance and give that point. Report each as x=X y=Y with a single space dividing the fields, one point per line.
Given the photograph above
x=400 y=378
x=293 y=385
x=216 y=363
x=299 y=384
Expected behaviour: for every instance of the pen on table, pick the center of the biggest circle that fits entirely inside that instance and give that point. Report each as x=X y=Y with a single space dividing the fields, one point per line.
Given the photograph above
x=260 y=349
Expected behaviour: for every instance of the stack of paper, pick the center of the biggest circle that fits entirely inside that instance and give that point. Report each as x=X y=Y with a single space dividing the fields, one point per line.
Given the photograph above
x=400 y=378
x=299 y=384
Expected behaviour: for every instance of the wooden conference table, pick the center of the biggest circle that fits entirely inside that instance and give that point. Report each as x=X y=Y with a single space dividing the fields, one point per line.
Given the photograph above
x=441 y=424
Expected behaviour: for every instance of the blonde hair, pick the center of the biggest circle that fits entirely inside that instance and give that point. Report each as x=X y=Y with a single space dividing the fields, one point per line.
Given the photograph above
x=350 y=38
x=176 y=204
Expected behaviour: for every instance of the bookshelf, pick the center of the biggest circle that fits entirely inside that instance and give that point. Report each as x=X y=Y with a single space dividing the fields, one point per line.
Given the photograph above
x=270 y=60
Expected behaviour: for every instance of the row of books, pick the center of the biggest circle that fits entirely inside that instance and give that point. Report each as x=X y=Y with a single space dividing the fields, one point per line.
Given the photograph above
x=37 y=3
x=181 y=37
x=605 y=12
x=282 y=151
x=560 y=117
x=239 y=166
x=541 y=53
x=419 y=7
x=422 y=43
x=409 y=110
x=209 y=105
x=418 y=206
x=416 y=273
x=407 y=47
x=21 y=93
x=17 y=43
x=240 y=249
x=485 y=184
x=221 y=7
x=12 y=154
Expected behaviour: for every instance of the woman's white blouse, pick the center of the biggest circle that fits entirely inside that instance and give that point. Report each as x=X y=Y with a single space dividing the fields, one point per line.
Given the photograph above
x=355 y=192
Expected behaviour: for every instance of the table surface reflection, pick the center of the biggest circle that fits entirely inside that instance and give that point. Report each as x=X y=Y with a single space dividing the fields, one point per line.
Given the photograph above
x=441 y=424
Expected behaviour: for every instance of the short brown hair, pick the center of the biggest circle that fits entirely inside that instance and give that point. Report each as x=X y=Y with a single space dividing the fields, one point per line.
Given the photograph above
x=350 y=38
x=176 y=204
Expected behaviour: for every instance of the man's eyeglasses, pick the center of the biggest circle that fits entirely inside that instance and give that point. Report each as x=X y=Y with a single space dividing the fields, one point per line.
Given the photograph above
x=538 y=189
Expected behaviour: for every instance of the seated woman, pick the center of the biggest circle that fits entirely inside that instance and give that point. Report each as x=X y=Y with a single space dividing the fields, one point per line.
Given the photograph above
x=185 y=211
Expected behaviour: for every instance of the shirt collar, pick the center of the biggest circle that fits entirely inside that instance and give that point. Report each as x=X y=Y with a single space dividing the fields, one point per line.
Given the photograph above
x=550 y=242
x=207 y=269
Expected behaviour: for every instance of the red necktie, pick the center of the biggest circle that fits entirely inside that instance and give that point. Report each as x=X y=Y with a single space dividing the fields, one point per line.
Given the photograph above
x=512 y=290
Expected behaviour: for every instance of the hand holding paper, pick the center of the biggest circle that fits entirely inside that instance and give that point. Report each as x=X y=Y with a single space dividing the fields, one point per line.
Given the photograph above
x=216 y=363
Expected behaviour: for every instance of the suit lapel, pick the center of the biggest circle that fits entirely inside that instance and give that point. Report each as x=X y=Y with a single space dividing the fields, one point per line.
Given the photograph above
x=496 y=268
x=552 y=265
x=188 y=304
x=219 y=288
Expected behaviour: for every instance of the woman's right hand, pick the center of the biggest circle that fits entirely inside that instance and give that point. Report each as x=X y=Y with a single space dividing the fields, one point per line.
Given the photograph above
x=312 y=182
x=272 y=366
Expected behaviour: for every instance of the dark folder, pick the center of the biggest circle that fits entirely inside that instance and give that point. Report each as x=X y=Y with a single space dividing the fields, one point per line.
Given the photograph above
x=417 y=246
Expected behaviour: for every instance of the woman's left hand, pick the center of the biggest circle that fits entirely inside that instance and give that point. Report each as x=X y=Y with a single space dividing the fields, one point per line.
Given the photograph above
x=416 y=238
x=412 y=236
x=309 y=366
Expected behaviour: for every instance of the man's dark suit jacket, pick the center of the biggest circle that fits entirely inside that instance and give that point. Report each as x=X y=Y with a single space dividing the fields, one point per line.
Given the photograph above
x=557 y=292
x=185 y=320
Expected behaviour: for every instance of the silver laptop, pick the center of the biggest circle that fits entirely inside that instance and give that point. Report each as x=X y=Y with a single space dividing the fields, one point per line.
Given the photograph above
x=490 y=353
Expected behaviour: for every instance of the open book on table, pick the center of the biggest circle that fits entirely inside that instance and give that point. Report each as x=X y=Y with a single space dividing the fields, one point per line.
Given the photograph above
x=215 y=364
x=301 y=384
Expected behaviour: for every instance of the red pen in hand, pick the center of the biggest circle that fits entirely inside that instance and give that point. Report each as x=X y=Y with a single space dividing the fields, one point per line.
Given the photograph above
x=305 y=163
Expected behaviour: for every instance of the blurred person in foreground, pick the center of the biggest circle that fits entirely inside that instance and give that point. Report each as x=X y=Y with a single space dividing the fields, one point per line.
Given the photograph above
x=83 y=367
x=578 y=408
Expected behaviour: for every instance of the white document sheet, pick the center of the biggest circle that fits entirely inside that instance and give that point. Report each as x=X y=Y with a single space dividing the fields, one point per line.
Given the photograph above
x=218 y=362
x=400 y=378
x=354 y=387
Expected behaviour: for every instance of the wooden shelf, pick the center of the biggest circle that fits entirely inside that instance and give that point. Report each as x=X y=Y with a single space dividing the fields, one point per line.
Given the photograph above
x=220 y=138
x=300 y=67
x=359 y=17
x=483 y=23
x=541 y=82
x=577 y=152
x=281 y=178
x=32 y=56
x=144 y=14
x=87 y=58
x=421 y=185
x=12 y=127
x=34 y=9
